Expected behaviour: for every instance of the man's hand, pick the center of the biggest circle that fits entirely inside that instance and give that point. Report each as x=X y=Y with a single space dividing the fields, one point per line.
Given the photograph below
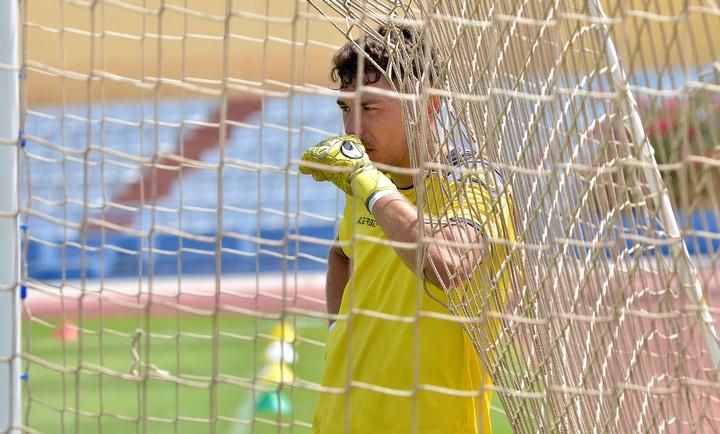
x=345 y=164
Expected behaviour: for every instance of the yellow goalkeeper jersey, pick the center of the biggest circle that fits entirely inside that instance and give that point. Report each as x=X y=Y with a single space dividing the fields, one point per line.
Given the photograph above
x=399 y=363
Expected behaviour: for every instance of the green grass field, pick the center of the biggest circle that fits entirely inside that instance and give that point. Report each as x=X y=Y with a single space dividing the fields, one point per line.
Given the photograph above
x=93 y=374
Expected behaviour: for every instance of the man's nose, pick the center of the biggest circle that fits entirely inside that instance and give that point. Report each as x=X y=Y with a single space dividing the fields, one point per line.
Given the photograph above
x=352 y=125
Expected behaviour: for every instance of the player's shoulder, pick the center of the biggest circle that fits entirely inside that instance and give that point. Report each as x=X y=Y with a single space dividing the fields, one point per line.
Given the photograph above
x=472 y=169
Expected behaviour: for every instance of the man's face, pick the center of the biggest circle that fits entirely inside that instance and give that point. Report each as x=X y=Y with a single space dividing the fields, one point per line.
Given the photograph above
x=376 y=118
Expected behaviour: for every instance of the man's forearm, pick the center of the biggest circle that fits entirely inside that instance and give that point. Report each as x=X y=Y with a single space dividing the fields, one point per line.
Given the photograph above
x=449 y=259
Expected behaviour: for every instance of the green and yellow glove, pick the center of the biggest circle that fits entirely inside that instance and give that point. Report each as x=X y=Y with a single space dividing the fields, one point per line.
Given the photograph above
x=342 y=160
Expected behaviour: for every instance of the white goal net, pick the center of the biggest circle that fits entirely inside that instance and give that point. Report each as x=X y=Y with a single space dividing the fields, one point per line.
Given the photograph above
x=172 y=256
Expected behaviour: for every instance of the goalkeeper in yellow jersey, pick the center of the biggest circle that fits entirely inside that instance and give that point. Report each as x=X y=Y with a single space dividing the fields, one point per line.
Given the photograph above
x=397 y=361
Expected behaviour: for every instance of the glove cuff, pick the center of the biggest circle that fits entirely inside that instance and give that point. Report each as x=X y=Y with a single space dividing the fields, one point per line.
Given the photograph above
x=371 y=184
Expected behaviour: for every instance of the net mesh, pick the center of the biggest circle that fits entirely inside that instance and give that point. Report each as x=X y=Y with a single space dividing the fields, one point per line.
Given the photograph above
x=602 y=328
x=605 y=324
x=165 y=235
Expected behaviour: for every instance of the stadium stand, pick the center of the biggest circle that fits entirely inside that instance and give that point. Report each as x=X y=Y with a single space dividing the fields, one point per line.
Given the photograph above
x=176 y=232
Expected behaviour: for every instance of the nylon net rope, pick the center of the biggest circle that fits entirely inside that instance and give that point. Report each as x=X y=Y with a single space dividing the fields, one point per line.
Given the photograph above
x=603 y=327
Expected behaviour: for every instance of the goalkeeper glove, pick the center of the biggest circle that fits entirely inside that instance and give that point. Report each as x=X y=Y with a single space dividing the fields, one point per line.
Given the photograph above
x=348 y=167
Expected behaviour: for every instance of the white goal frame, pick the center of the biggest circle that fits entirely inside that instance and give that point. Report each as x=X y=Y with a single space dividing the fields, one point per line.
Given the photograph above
x=10 y=320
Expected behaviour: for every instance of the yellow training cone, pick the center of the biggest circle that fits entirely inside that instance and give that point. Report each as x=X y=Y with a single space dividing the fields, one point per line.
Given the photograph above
x=283 y=332
x=277 y=373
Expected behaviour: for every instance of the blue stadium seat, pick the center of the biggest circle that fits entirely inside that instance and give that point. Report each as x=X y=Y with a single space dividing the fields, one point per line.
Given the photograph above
x=126 y=255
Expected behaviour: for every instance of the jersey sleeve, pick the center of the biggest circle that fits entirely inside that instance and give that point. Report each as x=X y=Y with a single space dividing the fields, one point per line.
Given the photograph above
x=476 y=197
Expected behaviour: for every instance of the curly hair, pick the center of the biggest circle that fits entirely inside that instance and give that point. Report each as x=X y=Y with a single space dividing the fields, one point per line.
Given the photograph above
x=406 y=40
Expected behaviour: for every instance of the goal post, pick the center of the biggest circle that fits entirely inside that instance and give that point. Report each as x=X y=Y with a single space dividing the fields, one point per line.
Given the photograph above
x=9 y=220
